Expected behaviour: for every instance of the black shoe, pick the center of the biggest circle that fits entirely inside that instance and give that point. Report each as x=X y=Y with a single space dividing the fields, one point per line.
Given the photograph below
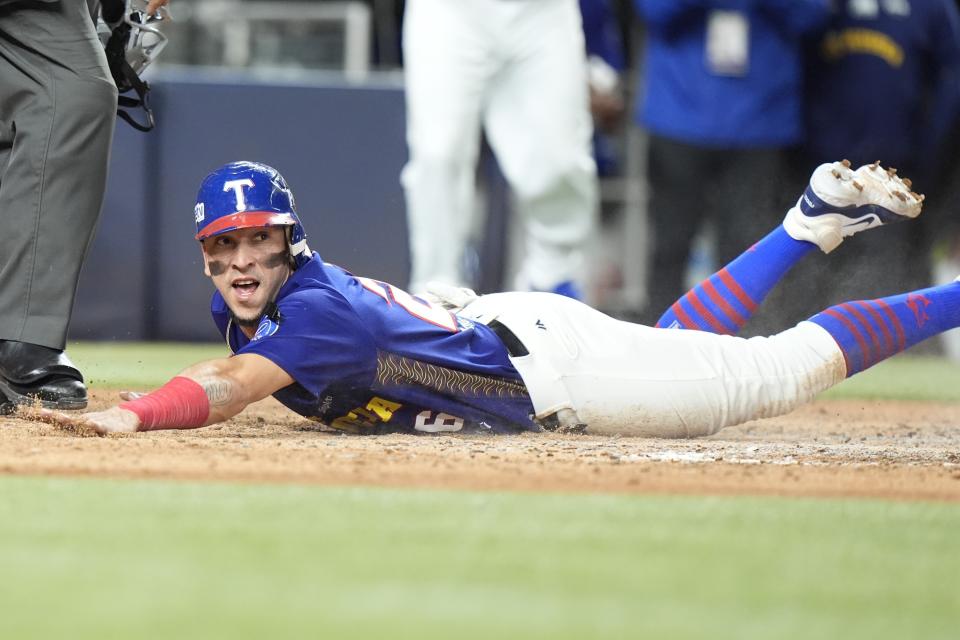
x=29 y=372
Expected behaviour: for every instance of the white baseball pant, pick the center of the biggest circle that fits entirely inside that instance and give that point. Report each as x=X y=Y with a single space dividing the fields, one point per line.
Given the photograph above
x=630 y=379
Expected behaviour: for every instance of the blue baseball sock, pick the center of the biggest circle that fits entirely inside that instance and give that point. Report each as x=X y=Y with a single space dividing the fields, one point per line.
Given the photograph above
x=725 y=301
x=869 y=331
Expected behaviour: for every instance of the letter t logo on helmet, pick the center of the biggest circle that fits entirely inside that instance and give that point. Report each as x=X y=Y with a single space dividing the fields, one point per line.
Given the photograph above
x=243 y=195
x=237 y=186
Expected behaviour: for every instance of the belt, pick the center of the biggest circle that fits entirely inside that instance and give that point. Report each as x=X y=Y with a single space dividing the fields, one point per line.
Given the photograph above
x=562 y=420
x=509 y=339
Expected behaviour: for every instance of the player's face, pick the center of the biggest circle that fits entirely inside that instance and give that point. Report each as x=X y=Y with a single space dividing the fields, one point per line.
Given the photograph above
x=248 y=267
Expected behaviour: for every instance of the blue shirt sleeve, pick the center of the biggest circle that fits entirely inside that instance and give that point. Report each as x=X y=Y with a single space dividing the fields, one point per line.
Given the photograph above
x=220 y=313
x=796 y=16
x=666 y=13
x=318 y=340
x=600 y=33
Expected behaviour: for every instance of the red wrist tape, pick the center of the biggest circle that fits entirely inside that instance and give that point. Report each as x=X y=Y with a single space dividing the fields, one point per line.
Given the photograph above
x=179 y=404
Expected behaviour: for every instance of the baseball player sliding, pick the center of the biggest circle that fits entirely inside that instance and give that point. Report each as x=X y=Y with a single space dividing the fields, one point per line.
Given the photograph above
x=363 y=356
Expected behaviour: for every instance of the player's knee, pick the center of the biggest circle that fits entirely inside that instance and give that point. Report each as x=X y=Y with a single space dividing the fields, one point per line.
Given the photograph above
x=571 y=178
x=435 y=169
x=443 y=159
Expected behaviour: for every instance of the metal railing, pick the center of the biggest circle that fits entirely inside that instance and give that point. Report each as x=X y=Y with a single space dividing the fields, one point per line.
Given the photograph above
x=235 y=24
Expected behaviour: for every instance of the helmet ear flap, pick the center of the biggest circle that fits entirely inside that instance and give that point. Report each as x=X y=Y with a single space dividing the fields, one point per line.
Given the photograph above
x=291 y=260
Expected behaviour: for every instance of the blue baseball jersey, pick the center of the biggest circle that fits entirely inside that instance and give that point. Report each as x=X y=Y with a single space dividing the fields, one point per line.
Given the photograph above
x=367 y=357
x=882 y=82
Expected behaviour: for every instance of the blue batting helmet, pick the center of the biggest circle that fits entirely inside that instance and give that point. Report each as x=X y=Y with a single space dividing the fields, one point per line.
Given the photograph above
x=240 y=195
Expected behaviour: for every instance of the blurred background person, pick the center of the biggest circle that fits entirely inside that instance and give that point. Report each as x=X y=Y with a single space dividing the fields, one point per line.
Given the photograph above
x=882 y=83
x=517 y=70
x=606 y=62
x=720 y=97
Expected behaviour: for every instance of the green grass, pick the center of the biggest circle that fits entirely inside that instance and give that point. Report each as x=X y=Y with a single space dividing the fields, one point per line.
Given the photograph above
x=147 y=559
x=904 y=378
x=137 y=365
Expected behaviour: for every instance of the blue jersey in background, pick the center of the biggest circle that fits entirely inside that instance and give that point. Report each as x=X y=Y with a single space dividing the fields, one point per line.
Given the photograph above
x=882 y=81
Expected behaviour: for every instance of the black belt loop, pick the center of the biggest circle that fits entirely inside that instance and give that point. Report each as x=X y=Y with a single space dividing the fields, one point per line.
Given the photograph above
x=514 y=347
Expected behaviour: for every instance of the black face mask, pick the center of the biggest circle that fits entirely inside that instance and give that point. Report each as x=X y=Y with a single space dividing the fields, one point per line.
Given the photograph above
x=134 y=33
x=127 y=79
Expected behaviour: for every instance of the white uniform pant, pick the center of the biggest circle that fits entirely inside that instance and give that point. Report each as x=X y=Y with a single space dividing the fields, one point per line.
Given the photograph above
x=624 y=378
x=518 y=68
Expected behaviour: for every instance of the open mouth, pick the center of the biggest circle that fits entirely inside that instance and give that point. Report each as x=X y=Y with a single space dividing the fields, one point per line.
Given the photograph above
x=245 y=287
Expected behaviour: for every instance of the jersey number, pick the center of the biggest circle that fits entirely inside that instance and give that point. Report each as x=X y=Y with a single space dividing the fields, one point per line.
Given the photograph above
x=435 y=423
x=431 y=313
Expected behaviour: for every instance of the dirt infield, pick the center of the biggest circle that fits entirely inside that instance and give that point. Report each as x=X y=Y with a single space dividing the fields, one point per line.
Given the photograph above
x=850 y=448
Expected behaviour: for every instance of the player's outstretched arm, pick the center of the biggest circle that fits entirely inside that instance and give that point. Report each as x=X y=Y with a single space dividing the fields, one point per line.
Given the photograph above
x=231 y=384
x=204 y=394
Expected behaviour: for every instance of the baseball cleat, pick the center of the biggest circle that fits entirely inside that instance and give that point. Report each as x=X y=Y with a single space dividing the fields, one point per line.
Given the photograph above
x=840 y=202
x=569 y=289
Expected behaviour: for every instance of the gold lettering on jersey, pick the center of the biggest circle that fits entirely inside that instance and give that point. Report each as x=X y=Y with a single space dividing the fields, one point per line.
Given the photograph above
x=349 y=422
x=375 y=412
x=844 y=43
x=383 y=408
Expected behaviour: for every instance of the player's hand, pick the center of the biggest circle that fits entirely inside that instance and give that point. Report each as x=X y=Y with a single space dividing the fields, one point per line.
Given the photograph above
x=449 y=297
x=113 y=420
x=608 y=109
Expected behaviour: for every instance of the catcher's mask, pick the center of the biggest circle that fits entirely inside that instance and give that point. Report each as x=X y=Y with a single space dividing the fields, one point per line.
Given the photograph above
x=133 y=43
x=240 y=195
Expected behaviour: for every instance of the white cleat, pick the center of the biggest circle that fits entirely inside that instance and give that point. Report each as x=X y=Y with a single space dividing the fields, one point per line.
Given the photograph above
x=840 y=202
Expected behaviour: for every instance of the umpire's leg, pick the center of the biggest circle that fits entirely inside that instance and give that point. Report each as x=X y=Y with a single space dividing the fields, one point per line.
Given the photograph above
x=59 y=104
